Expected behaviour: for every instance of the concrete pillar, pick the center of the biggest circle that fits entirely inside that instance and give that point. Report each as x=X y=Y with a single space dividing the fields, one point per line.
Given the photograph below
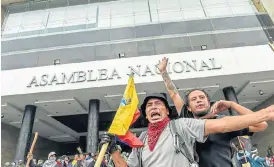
x=24 y=140
x=230 y=95
x=93 y=126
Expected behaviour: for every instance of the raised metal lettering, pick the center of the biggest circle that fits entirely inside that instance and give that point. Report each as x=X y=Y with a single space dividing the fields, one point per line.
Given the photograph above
x=44 y=80
x=114 y=73
x=103 y=74
x=33 y=81
x=81 y=77
x=178 y=65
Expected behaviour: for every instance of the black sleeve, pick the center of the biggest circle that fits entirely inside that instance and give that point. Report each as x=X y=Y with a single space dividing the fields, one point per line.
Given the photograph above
x=242 y=132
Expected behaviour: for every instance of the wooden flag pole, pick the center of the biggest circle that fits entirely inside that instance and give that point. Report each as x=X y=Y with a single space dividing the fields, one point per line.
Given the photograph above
x=246 y=164
x=32 y=147
x=101 y=155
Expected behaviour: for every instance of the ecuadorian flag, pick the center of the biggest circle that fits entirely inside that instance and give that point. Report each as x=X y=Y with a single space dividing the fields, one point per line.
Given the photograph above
x=126 y=115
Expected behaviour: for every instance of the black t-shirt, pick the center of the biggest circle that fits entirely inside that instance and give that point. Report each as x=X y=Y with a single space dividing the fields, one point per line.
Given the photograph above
x=217 y=151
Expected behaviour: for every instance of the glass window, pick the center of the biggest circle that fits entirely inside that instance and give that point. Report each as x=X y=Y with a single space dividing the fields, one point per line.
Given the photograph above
x=92 y=12
x=186 y=4
x=142 y=18
x=103 y=22
x=170 y=4
x=170 y=15
x=194 y=13
x=141 y=12
x=140 y=6
x=34 y=20
x=154 y=16
x=122 y=13
x=242 y=9
x=13 y=23
x=122 y=20
x=104 y=15
x=121 y=8
x=213 y=3
x=153 y=4
x=218 y=11
x=104 y=9
x=237 y=2
x=76 y=15
x=56 y=17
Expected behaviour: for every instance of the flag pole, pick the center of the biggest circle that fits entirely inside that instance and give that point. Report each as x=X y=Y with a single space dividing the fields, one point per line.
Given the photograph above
x=101 y=155
x=240 y=142
x=32 y=147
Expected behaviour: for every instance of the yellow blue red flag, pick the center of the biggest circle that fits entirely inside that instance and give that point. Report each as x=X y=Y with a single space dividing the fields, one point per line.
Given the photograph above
x=126 y=110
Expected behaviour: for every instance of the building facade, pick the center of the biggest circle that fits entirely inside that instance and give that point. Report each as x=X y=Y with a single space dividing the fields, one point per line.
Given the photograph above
x=65 y=62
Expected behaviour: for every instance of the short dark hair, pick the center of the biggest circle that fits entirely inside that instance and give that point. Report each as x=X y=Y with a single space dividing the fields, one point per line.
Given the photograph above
x=192 y=90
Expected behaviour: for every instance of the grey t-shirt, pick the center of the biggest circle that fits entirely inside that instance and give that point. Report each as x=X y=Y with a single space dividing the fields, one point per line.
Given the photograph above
x=164 y=154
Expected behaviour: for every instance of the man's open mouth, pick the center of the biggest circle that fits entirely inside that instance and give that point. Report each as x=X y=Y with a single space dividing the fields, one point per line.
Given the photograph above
x=155 y=115
x=200 y=106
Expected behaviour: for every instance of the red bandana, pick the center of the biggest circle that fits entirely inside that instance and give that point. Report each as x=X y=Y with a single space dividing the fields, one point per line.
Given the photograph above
x=154 y=132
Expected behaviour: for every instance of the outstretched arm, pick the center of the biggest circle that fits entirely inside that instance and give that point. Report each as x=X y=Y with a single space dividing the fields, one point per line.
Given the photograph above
x=234 y=123
x=171 y=88
x=222 y=105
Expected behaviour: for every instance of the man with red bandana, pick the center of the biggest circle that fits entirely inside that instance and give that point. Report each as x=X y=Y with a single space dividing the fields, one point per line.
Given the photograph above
x=159 y=151
x=196 y=104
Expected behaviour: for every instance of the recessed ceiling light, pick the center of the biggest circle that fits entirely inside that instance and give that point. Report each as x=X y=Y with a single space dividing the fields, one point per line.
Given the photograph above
x=261 y=92
x=122 y=54
x=203 y=47
x=56 y=61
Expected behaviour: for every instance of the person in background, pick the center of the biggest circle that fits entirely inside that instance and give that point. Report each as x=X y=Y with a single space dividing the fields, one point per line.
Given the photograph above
x=243 y=157
x=21 y=163
x=7 y=164
x=67 y=162
x=255 y=160
x=34 y=161
x=13 y=164
x=74 y=162
x=40 y=163
x=51 y=162
x=82 y=161
x=94 y=160
x=89 y=159
x=267 y=161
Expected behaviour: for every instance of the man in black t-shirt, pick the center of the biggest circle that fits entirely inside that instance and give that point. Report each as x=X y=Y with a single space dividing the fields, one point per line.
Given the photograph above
x=216 y=151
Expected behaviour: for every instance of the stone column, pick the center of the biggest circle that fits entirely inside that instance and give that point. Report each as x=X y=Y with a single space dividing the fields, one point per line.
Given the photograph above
x=24 y=140
x=93 y=126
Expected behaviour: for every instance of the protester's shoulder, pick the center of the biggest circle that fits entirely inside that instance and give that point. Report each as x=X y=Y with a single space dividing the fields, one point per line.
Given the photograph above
x=188 y=121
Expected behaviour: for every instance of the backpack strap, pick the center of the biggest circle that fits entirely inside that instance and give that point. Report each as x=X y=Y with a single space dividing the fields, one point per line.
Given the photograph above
x=142 y=137
x=179 y=143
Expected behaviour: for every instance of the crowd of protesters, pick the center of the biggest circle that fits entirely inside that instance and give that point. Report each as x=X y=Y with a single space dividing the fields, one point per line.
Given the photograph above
x=78 y=160
x=253 y=159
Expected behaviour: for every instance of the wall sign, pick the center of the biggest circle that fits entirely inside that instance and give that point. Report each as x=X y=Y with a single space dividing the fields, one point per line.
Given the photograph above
x=142 y=70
